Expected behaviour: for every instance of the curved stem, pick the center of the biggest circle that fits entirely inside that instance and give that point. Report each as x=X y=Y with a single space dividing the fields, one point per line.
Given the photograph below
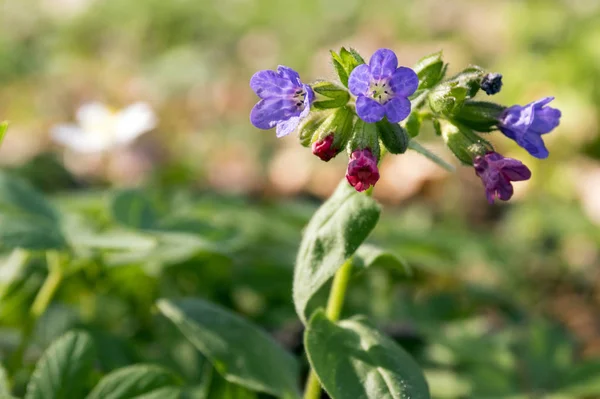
x=333 y=311
x=53 y=280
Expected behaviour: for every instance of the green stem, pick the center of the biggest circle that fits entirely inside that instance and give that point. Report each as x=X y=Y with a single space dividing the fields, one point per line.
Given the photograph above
x=333 y=311
x=46 y=293
x=39 y=306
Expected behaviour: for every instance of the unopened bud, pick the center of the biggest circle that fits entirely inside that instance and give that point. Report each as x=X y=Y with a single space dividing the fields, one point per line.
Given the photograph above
x=362 y=170
x=470 y=78
x=491 y=83
x=333 y=134
x=447 y=98
x=365 y=136
x=480 y=115
x=464 y=143
x=309 y=126
x=393 y=136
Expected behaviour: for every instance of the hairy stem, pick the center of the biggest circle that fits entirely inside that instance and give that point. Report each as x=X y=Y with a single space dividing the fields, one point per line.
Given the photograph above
x=333 y=311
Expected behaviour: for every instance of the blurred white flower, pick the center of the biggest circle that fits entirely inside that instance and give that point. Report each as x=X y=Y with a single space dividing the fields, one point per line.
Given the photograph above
x=100 y=129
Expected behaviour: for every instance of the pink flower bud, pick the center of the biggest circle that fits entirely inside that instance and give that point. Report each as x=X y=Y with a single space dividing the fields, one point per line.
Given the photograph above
x=324 y=148
x=362 y=170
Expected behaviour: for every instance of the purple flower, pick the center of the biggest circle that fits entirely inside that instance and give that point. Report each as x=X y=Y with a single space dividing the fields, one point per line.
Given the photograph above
x=362 y=170
x=497 y=172
x=324 y=148
x=526 y=124
x=382 y=89
x=285 y=100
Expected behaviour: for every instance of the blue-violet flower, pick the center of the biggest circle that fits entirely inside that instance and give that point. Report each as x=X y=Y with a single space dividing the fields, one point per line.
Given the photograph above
x=284 y=100
x=382 y=89
x=497 y=172
x=526 y=124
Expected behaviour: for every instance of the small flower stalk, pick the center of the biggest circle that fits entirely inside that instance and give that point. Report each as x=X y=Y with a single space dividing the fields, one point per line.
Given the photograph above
x=379 y=107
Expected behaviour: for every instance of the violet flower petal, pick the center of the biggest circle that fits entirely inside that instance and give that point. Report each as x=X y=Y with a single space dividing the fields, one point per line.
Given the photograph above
x=404 y=82
x=269 y=84
x=369 y=110
x=359 y=80
x=383 y=63
x=397 y=109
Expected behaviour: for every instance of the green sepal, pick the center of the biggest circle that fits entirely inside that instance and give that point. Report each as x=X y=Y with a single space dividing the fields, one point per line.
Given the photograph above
x=464 y=143
x=470 y=79
x=413 y=124
x=448 y=98
x=345 y=62
x=329 y=95
x=339 y=123
x=437 y=128
x=309 y=126
x=393 y=136
x=365 y=136
x=430 y=70
x=481 y=116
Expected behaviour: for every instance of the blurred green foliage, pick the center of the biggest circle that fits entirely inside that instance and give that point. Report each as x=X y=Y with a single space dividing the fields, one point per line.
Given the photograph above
x=502 y=301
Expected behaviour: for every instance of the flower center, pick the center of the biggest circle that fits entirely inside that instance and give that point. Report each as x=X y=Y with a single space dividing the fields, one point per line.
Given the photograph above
x=380 y=91
x=298 y=97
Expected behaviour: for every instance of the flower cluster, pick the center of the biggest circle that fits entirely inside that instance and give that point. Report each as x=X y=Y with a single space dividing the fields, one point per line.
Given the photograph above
x=379 y=107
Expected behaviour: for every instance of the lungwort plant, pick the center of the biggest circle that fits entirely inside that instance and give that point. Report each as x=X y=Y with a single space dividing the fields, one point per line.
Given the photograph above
x=132 y=265
x=377 y=108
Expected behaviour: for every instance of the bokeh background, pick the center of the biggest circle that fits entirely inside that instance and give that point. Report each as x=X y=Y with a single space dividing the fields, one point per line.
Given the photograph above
x=503 y=298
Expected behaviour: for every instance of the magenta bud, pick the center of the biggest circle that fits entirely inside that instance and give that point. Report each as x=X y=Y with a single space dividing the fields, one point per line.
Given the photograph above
x=362 y=170
x=324 y=148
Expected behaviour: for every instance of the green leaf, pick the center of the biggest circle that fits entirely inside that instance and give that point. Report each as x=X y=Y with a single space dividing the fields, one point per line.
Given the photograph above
x=413 y=124
x=334 y=95
x=345 y=62
x=333 y=234
x=165 y=249
x=354 y=360
x=4 y=385
x=19 y=231
x=242 y=353
x=63 y=370
x=133 y=208
x=415 y=146
x=27 y=220
x=138 y=381
x=583 y=380
x=371 y=256
x=357 y=57
x=339 y=67
x=3 y=129
x=430 y=70
x=220 y=388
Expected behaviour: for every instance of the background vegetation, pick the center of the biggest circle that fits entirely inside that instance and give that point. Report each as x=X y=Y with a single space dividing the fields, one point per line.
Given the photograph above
x=502 y=301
